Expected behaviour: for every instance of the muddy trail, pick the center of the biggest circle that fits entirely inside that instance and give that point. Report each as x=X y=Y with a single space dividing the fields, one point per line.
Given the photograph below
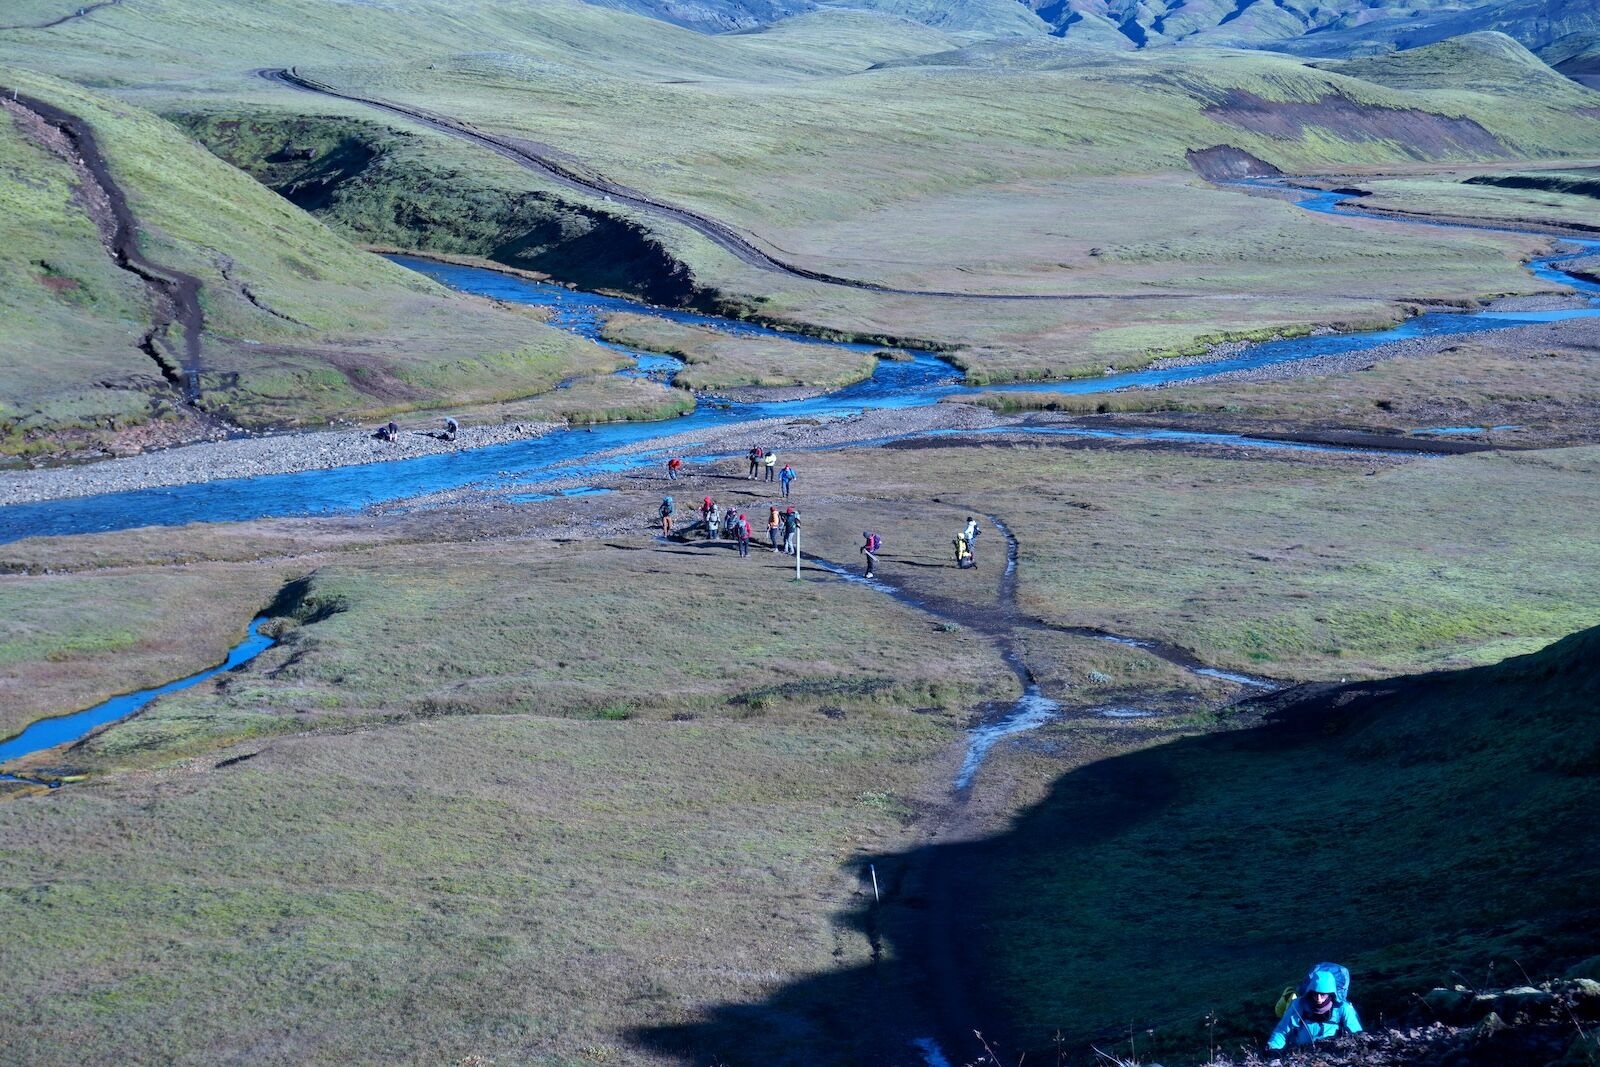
x=174 y=295
x=547 y=163
x=77 y=13
x=949 y=1003
x=920 y=905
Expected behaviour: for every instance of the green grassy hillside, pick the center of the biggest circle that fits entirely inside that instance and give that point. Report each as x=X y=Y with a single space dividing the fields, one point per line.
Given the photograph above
x=1488 y=62
x=1423 y=831
x=826 y=137
x=300 y=326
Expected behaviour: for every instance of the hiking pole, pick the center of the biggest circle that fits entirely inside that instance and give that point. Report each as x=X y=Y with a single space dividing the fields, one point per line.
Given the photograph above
x=873 y=867
x=797 y=553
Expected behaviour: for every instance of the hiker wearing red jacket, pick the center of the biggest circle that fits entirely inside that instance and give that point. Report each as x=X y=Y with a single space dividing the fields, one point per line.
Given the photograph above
x=742 y=532
x=870 y=544
x=674 y=465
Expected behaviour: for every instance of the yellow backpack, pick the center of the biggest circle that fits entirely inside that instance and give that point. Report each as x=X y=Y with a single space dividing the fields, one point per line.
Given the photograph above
x=1290 y=995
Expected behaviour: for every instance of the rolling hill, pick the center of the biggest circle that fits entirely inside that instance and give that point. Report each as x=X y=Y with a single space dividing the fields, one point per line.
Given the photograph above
x=1336 y=29
x=173 y=297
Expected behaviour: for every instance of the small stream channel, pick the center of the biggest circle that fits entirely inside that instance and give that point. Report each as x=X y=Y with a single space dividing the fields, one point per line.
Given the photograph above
x=924 y=379
x=66 y=729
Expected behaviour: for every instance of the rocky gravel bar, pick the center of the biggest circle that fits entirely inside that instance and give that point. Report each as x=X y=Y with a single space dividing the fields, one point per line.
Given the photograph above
x=249 y=457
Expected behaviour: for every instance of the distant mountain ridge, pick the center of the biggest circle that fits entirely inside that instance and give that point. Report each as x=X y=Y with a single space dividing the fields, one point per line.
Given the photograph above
x=1321 y=28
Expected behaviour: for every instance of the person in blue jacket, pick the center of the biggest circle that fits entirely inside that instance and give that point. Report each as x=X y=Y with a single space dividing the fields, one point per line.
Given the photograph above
x=1320 y=1012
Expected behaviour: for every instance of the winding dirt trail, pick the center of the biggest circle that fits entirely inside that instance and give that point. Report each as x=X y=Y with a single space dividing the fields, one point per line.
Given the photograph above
x=950 y=1003
x=175 y=295
x=943 y=1002
x=87 y=9
x=532 y=157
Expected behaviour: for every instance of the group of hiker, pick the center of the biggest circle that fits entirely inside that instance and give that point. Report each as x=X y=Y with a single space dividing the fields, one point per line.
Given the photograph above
x=761 y=461
x=390 y=431
x=719 y=523
x=783 y=523
x=765 y=461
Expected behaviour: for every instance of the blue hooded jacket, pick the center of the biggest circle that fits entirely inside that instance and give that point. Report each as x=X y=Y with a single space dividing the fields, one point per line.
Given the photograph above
x=1296 y=1030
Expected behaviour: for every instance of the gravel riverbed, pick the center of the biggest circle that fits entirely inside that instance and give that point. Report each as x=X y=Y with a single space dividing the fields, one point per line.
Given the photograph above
x=248 y=457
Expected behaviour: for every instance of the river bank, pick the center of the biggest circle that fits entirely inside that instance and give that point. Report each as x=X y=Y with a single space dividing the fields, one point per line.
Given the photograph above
x=249 y=457
x=1528 y=341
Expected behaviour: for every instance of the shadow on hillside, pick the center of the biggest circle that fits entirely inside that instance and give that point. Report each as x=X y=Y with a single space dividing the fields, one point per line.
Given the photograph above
x=1425 y=831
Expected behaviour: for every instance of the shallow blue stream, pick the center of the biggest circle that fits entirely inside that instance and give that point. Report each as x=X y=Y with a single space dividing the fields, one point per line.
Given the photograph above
x=924 y=379
x=62 y=729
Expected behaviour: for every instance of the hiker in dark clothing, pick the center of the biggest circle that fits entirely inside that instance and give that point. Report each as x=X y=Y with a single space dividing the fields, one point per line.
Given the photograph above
x=791 y=532
x=971 y=532
x=786 y=478
x=451 y=427
x=743 y=534
x=870 y=543
x=388 y=432
x=667 y=508
x=730 y=525
x=754 y=456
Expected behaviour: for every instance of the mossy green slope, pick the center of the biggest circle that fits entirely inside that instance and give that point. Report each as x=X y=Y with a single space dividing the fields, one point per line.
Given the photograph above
x=1486 y=62
x=848 y=154
x=300 y=325
x=1417 y=830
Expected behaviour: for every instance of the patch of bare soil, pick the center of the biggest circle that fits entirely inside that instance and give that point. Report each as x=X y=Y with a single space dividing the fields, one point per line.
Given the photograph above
x=1424 y=134
x=1225 y=163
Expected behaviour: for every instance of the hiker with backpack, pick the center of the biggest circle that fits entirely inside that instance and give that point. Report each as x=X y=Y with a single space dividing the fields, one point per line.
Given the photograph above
x=786 y=478
x=705 y=509
x=1316 y=1010
x=791 y=532
x=963 y=548
x=730 y=524
x=742 y=532
x=674 y=465
x=754 y=456
x=713 y=517
x=667 y=508
x=971 y=532
x=871 y=542
x=774 y=527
